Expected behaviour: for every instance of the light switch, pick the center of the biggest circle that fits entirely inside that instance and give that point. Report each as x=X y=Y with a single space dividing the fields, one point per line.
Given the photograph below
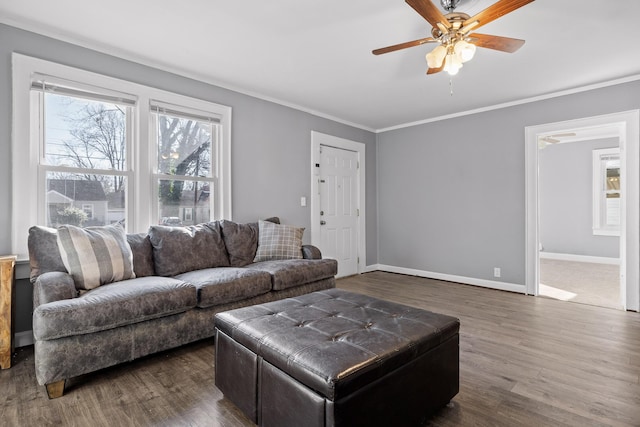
x=303 y=201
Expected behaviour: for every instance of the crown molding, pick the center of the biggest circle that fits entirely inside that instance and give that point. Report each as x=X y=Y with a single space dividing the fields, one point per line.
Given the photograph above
x=515 y=103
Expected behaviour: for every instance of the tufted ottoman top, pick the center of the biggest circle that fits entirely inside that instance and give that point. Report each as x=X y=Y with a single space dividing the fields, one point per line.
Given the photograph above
x=335 y=341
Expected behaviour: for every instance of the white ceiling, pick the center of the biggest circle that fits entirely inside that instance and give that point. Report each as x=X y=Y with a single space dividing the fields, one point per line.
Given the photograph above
x=316 y=55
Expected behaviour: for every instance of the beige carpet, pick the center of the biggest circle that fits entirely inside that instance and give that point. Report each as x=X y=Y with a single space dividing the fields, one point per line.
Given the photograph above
x=582 y=282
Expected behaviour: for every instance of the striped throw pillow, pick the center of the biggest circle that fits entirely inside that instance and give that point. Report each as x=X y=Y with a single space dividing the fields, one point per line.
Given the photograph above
x=277 y=241
x=94 y=256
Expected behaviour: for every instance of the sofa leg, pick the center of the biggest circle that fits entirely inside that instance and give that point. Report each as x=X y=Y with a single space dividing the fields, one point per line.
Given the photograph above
x=55 y=390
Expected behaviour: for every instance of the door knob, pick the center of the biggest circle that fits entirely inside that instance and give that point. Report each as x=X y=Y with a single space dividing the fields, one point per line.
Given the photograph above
x=323 y=222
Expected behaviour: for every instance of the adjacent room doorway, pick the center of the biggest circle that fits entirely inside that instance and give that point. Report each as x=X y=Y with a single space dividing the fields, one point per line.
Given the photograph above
x=579 y=216
x=627 y=129
x=337 y=202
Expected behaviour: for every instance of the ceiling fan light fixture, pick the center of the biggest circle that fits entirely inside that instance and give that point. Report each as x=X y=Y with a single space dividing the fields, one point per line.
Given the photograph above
x=464 y=50
x=436 y=57
x=452 y=64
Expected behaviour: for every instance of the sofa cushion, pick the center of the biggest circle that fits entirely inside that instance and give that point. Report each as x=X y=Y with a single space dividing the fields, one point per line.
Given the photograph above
x=94 y=256
x=180 y=249
x=113 y=305
x=44 y=255
x=294 y=272
x=241 y=241
x=142 y=254
x=278 y=242
x=222 y=285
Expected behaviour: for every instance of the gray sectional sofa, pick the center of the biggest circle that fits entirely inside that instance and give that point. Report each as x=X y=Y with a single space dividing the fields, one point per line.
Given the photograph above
x=183 y=277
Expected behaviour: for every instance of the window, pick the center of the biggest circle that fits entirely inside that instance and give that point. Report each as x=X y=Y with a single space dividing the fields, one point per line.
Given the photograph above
x=188 y=215
x=88 y=210
x=187 y=153
x=84 y=139
x=101 y=150
x=606 y=192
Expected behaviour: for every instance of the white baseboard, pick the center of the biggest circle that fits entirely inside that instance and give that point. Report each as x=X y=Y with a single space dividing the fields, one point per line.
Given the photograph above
x=23 y=339
x=492 y=284
x=580 y=258
x=370 y=268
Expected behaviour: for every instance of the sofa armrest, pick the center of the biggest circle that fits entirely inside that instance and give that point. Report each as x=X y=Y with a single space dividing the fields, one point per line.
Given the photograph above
x=311 y=252
x=53 y=286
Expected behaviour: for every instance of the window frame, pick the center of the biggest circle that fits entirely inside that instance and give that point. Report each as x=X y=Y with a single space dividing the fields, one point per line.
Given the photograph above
x=141 y=164
x=600 y=191
x=79 y=91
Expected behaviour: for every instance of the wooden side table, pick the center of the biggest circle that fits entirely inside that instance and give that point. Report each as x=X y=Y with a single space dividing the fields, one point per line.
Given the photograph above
x=7 y=263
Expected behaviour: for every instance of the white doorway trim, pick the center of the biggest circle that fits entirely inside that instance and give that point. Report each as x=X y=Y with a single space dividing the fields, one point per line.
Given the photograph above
x=319 y=139
x=628 y=124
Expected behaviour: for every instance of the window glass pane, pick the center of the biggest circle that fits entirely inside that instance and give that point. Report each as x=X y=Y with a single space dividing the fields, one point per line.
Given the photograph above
x=613 y=178
x=84 y=133
x=84 y=200
x=184 y=146
x=612 y=192
x=184 y=202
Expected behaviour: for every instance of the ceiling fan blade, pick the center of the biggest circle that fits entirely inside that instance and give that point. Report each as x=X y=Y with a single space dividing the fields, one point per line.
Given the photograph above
x=435 y=70
x=429 y=12
x=552 y=139
x=495 y=11
x=403 y=45
x=504 y=44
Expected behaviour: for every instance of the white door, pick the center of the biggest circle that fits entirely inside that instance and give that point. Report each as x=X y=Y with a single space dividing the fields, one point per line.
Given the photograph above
x=338 y=188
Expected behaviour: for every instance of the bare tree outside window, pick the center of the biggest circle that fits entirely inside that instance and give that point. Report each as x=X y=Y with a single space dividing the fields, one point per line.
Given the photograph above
x=184 y=151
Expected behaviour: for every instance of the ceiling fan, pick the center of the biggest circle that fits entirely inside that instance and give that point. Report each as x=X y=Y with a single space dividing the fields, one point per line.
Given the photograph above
x=452 y=31
x=553 y=139
x=547 y=140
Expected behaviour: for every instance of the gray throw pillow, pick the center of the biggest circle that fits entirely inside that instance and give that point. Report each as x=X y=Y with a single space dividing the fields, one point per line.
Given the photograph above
x=180 y=249
x=44 y=255
x=94 y=256
x=277 y=241
x=241 y=241
x=142 y=254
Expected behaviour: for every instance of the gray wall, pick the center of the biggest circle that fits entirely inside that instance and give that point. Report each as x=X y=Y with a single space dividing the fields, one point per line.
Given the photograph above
x=271 y=143
x=565 y=189
x=451 y=194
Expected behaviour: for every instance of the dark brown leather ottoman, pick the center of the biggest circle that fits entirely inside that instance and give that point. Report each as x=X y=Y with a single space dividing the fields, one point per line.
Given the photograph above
x=335 y=358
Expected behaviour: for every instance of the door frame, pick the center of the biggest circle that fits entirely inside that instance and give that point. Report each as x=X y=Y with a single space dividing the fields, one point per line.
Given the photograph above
x=320 y=139
x=628 y=124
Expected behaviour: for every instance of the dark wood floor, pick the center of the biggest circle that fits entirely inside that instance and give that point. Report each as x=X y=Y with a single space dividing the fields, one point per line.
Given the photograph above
x=523 y=361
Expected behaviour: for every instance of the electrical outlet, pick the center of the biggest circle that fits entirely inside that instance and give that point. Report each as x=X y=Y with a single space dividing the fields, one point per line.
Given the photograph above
x=496 y=271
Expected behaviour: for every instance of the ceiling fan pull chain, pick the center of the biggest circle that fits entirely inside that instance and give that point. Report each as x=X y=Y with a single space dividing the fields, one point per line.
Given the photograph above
x=451 y=85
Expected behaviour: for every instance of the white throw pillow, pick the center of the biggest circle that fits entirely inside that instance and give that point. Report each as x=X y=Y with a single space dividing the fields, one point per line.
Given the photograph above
x=95 y=256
